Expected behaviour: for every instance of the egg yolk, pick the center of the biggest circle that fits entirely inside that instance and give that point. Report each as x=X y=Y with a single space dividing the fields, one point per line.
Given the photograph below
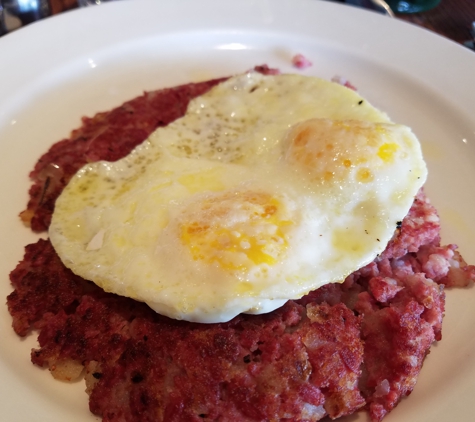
x=236 y=230
x=386 y=151
x=331 y=151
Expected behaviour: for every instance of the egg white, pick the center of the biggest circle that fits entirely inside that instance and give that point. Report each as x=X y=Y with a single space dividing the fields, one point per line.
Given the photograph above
x=269 y=187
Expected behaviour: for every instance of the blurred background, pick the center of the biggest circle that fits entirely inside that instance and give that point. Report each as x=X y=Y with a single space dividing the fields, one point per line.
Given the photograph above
x=454 y=19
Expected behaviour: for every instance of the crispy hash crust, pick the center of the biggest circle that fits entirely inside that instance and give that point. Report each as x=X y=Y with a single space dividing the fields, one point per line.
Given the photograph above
x=341 y=348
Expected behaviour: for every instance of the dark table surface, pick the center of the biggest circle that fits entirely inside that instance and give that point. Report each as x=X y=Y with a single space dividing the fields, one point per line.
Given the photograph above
x=451 y=18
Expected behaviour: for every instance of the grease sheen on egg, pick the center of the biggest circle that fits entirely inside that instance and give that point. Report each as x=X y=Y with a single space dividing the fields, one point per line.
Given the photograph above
x=269 y=187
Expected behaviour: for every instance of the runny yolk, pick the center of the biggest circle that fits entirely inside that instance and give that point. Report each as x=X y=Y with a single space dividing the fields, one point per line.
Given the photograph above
x=236 y=231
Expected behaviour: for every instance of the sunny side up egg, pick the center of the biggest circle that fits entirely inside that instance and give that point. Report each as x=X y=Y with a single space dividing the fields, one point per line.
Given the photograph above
x=269 y=187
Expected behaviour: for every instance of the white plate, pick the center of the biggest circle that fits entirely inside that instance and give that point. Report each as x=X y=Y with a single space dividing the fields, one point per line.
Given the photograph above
x=57 y=70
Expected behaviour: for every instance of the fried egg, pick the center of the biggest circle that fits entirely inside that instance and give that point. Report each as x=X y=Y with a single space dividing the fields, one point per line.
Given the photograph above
x=269 y=187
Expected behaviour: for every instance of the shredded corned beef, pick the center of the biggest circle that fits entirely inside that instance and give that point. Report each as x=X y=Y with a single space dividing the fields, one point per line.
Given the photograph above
x=343 y=347
x=300 y=361
x=301 y=62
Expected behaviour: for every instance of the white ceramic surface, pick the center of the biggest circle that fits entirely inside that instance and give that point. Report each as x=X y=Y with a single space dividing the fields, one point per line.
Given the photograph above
x=57 y=70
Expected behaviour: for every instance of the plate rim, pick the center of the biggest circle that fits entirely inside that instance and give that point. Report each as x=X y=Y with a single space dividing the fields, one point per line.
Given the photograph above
x=426 y=41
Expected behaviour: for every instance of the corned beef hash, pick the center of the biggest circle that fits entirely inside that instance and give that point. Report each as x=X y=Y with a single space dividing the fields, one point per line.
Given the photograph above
x=254 y=248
